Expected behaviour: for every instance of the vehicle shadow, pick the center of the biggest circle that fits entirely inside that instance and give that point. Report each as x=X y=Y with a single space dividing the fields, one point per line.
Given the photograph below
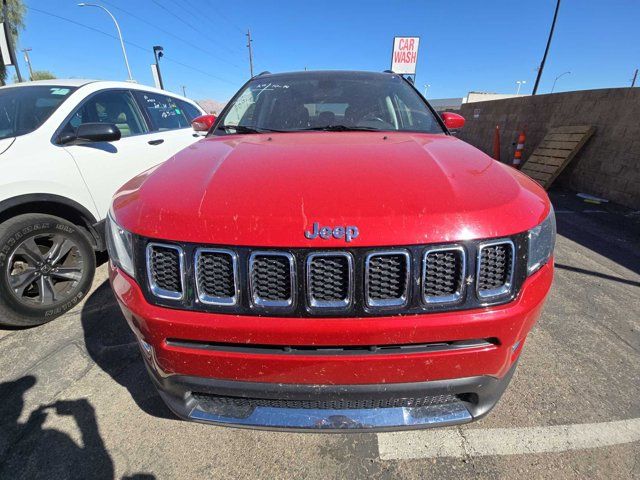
x=607 y=229
x=113 y=347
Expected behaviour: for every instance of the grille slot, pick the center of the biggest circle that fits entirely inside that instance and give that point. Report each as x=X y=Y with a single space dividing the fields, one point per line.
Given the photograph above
x=215 y=403
x=272 y=279
x=387 y=278
x=216 y=276
x=330 y=280
x=495 y=268
x=165 y=269
x=443 y=273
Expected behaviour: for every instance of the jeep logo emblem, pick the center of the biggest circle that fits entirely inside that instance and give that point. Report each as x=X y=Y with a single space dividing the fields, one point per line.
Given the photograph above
x=348 y=233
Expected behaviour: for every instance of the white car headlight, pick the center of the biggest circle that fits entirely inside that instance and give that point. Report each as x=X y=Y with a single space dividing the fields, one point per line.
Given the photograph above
x=542 y=240
x=120 y=246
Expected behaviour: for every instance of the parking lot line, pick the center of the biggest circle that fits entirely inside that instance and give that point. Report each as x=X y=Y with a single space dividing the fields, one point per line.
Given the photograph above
x=505 y=441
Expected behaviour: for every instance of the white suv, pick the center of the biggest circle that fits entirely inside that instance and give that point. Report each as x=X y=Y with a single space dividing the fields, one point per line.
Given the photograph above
x=65 y=147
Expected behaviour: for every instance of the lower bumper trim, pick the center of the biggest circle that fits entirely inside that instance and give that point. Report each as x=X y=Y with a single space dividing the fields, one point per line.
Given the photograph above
x=470 y=398
x=342 y=419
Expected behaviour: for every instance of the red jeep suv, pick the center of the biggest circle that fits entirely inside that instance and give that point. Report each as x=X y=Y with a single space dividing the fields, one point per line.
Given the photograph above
x=329 y=256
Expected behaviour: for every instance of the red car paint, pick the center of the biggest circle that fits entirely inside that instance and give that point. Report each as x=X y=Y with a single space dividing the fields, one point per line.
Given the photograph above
x=507 y=323
x=265 y=191
x=402 y=188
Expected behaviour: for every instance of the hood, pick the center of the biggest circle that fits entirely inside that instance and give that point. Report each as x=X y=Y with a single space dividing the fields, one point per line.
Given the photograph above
x=396 y=188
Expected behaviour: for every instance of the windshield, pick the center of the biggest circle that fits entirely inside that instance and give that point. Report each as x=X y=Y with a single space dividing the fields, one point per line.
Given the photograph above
x=337 y=101
x=23 y=109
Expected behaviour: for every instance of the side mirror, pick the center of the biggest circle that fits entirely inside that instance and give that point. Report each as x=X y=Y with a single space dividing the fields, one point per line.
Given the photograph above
x=203 y=123
x=92 y=132
x=452 y=121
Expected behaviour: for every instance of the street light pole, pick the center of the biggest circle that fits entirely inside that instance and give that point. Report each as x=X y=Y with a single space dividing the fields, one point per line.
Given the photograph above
x=184 y=90
x=158 y=52
x=520 y=83
x=426 y=87
x=124 y=51
x=28 y=60
x=556 y=79
x=546 y=51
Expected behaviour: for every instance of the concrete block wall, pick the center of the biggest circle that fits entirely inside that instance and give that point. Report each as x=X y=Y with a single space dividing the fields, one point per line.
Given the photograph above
x=608 y=165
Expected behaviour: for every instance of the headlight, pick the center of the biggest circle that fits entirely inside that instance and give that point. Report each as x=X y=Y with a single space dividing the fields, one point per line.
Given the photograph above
x=542 y=240
x=120 y=246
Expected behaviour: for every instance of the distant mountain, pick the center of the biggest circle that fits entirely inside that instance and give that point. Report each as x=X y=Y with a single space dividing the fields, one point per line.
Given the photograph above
x=211 y=106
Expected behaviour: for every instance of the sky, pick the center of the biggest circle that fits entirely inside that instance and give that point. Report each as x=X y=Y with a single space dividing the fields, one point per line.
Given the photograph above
x=465 y=45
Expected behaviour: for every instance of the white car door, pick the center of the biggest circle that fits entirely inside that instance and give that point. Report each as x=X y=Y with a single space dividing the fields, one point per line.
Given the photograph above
x=171 y=117
x=106 y=166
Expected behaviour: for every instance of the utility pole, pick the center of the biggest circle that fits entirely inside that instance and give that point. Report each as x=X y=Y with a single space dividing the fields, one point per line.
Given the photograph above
x=28 y=60
x=184 y=90
x=635 y=77
x=546 y=51
x=9 y=31
x=249 y=41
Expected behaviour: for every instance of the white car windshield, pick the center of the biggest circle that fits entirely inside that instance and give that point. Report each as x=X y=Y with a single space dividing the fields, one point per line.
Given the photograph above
x=331 y=101
x=23 y=109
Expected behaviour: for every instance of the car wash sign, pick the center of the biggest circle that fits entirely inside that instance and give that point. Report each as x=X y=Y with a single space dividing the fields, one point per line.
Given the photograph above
x=405 y=55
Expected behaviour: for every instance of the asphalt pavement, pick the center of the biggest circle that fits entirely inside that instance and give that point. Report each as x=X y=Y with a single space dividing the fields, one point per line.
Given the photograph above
x=75 y=400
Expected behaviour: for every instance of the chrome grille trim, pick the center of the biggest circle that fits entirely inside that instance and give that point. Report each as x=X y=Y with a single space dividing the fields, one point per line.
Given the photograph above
x=211 y=300
x=488 y=294
x=315 y=303
x=463 y=267
x=256 y=301
x=402 y=300
x=153 y=286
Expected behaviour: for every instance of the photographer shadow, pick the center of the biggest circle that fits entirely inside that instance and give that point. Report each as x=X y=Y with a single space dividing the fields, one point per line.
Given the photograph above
x=29 y=450
x=113 y=347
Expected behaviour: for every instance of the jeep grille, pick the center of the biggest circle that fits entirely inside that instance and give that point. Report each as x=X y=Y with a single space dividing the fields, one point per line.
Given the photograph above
x=443 y=274
x=165 y=270
x=329 y=279
x=216 y=276
x=495 y=268
x=350 y=282
x=387 y=278
x=272 y=279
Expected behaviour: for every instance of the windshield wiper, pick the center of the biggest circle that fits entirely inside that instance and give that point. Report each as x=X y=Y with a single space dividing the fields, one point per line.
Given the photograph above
x=244 y=129
x=341 y=128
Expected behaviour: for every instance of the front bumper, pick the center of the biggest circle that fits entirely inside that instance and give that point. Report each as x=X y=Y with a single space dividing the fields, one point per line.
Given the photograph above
x=205 y=383
x=455 y=401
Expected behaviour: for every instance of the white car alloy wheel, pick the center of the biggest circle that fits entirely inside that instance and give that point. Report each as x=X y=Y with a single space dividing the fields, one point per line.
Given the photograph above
x=46 y=268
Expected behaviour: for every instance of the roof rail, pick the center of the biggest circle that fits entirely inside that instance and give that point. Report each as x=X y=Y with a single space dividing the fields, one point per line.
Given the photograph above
x=388 y=71
x=266 y=72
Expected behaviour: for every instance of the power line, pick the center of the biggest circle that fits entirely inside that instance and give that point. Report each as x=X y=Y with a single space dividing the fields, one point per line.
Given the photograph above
x=230 y=22
x=166 y=32
x=188 y=24
x=135 y=45
x=204 y=13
